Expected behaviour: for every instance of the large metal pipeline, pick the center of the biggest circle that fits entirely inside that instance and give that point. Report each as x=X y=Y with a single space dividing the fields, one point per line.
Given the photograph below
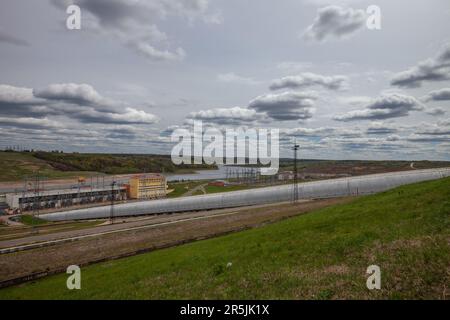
x=360 y=185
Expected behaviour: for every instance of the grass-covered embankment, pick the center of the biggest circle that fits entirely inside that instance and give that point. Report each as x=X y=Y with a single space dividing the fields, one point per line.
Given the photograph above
x=54 y=165
x=19 y=165
x=29 y=220
x=321 y=255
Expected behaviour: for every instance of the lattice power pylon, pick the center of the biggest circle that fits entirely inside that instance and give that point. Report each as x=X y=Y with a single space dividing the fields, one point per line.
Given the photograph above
x=111 y=213
x=296 y=147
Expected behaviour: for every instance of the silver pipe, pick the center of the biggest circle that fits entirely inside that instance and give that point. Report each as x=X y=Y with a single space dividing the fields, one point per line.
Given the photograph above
x=360 y=185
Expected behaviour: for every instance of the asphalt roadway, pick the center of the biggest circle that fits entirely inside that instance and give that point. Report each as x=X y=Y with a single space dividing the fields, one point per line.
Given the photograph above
x=120 y=225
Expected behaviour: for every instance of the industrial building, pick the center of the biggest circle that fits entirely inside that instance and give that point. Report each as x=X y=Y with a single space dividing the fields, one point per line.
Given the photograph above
x=147 y=186
x=37 y=200
x=140 y=187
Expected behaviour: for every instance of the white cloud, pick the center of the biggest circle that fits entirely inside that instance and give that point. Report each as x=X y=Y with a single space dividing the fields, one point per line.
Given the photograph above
x=431 y=70
x=309 y=79
x=230 y=116
x=354 y=100
x=438 y=95
x=334 y=22
x=29 y=123
x=294 y=66
x=232 y=77
x=75 y=101
x=384 y=107
x=17 y=95
x=133 y=22
x=286 y=106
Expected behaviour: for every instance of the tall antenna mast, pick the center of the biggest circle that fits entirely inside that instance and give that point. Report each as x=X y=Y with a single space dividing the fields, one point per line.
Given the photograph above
x=111 y=214
x=296 y=147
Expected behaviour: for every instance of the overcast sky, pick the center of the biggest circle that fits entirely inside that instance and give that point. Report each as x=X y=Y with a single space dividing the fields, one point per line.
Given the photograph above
x=138 y=69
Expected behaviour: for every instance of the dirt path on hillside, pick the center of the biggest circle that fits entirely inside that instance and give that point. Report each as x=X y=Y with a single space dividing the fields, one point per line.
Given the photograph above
x=56 y=258
x=191 y=192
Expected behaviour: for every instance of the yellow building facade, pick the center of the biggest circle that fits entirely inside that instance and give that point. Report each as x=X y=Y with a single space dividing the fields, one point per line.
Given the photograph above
x=152 y=186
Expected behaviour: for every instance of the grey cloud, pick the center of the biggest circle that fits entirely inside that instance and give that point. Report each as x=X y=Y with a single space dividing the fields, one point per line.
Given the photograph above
x=286 y=106
x=18 y=101
x=379 y=128
x=133 y=23
x=307 y=132
x=228 y=116
x=385 y=107
x=11 y=39
x=167 y=132
x=393 y=138
x=308 y=79
x=17 y=96
x=90 y=106
x=80 y=94
x=432 y=70
x=335 y=22
x=130 y=116
x=438 y=129
x=151 y=52
x=348 y=133
x=435 y=111
x=438 y=95
x=436 y=132
x=422 y=138
x=121 y=133
x=21 y=110
x=28 y=123
x=370 y=144
x=102 y=110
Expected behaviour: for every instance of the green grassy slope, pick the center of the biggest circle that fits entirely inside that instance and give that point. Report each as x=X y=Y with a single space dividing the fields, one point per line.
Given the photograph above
x=31 y=221
x=18 y=165
x=321 y=255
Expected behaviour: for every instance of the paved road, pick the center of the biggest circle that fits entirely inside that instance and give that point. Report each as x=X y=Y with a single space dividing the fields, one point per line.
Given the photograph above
x=132 y=224
x=103 y=233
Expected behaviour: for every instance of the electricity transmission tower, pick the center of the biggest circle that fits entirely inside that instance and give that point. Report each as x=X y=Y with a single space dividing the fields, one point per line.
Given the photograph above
x=295 y=191
x=111 y=213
